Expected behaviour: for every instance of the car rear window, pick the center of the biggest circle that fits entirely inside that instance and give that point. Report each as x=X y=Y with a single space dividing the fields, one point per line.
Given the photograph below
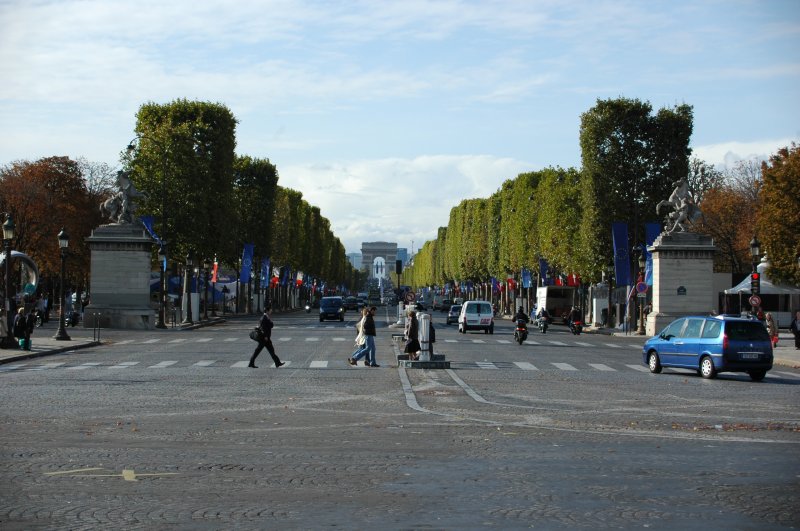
x=746 y=331
x=712 y=329
x=328 y=303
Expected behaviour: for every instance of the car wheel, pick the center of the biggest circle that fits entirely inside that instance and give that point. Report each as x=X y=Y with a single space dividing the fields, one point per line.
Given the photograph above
x=654 y=363
x=707 y=369
x=757 y=374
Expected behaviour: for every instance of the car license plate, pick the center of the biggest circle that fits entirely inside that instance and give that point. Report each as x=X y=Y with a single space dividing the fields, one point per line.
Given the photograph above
x=750 y=355
x=486 y=321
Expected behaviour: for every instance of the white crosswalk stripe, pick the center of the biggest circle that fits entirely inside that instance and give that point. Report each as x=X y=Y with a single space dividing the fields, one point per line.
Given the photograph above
x=204 y=363
x=564 y=366
x=88 y=365
x=312 y=338
x=451 y=340
x=504 y=341
x=559 y=343
x=284 y=339
x=485 y=365
x=162 y=364
x=339 y=339
x=601 y=367
x=525 y=366
x=124 y=342
x=583 y=344
x=532 y=342
x=318 y=364
x=229 y=339
x=7 y=368
x=478 y=341
x=124 y=365
x=151 y=341
x=204 y=340
x=784 y=373
x=640 y=368
x=612 y=345
x=240 y=364
x=45 y=366
x=179 y=340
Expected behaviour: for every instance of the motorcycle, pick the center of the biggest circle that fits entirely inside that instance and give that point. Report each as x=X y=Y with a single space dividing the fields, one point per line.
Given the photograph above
x=521 y=331
x=576 y=327
x=38 y=318
x=308 y=308
x=542 y=324
x=72 y=318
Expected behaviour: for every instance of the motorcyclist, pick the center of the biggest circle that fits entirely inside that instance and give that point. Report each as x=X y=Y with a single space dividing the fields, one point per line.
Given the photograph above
x=543 y=314
x=521 y=316
x=574 y=315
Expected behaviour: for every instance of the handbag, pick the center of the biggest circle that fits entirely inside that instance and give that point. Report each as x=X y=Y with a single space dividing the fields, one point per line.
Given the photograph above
x=255 y=334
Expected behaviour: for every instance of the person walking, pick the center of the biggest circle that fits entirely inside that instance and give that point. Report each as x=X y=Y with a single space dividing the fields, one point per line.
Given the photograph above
x=369 y=334
x=265 y=338
x=795 y=329
x=361 y=341
x=22 y=329
x=412 y=337
x=772 y=329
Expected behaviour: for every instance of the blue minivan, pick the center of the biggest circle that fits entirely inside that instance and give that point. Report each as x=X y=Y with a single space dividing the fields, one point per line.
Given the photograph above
x=710 y=345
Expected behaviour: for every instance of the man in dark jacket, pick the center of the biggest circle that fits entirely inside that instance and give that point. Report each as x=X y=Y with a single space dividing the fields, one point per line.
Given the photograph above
x=265 y=338
x=369 y=334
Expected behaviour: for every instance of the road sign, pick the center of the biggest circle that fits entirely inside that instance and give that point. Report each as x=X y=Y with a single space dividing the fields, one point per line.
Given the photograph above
x=411 y=296
x=754 y=300
x=641 y=287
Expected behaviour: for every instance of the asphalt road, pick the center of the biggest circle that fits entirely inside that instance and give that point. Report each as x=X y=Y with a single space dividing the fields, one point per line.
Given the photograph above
x=169 y=429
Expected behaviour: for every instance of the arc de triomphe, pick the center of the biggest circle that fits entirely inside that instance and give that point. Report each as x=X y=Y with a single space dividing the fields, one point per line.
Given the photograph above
x=370 y=251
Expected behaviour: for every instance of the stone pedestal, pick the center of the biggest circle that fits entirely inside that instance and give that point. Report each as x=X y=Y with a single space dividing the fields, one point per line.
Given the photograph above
x=120 y=278
x=683 y=273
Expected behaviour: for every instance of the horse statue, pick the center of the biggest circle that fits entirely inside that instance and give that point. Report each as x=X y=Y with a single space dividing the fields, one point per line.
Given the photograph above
x=684 y=208
x=120 y=208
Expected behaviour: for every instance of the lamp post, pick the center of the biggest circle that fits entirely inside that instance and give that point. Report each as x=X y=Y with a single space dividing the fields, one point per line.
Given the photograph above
x=206 y=267
x=63 y=244
x=8 y=234
x=642 y=262
x=162 y=266
x=187 y=288
x=755 y=252
x=238 y=274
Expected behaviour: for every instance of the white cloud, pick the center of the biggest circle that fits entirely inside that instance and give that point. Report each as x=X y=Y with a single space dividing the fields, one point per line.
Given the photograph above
x=397 y=199
x=725 y=155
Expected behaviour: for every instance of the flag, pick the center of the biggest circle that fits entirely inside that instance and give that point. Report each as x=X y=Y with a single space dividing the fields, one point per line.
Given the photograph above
x=264 y=271
x=214 y=272
x=651 y=231
x=247 y=263
x=622 y=265
x=148 y=221
x=526 y=278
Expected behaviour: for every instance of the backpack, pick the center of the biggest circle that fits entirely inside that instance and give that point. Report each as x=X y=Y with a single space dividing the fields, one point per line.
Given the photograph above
x=20 y=326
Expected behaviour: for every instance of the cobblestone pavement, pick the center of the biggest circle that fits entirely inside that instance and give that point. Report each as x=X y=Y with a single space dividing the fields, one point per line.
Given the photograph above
x=192 y=447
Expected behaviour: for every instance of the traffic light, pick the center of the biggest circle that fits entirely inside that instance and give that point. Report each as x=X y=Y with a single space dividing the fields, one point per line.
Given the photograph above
x=755 y=283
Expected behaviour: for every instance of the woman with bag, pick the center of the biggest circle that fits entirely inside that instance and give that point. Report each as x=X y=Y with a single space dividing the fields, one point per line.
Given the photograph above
x=412 y=337
x=263 y=335
x=772 y=329
x=361 y=340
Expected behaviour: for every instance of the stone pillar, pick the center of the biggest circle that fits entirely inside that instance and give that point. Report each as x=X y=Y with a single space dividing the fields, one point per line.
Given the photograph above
x=120 y=277
x=683 y=272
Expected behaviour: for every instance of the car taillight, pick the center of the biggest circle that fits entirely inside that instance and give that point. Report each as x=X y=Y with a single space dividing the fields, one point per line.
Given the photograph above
x=725 y=342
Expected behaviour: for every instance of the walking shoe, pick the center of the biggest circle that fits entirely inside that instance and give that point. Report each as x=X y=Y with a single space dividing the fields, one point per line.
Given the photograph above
x=351 y=361
x=374 y=365
x=280 y=364
x=252 y=366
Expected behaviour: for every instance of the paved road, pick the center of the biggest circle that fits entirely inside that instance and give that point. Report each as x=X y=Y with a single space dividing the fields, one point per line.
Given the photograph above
x=169 y=429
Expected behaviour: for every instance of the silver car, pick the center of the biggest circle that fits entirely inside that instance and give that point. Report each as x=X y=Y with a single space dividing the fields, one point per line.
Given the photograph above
x=452 y=313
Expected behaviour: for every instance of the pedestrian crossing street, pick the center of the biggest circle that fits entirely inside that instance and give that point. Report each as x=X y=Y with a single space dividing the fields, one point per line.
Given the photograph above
x=335 y=364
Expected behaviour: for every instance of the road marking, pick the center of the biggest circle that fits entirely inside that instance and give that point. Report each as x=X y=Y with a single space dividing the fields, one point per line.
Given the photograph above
x=240 y=364
x=339 y=339
x=312 y=339
x=524 y=365
x=124 y=365
x=316 y=364
x=204 y=363
x=564 y=366
x=612 y=345
x=583 y=344
x=179 y=340
x=150 y=341
x=285 y=364
x=641 y=368
x=791 y=374
x=204 y=340
x=231 y=339
x=127 y=474
x=601 y=367
x=45 y=367
x=451 y=340
x=532 y=342
x=284 y=339
x=88 y=365
x=6 y=368
x=504 y=341
x=559 y=343
x=478 y=341
x=162 y=364
x=124 y=342
x=486 y=365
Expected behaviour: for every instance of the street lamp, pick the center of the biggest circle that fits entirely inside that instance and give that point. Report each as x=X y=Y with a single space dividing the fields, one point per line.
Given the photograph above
x=187 y=287
x=206 y=267
x=642 y=262
x=8 y=235
x=63 y=244
x=755 y=252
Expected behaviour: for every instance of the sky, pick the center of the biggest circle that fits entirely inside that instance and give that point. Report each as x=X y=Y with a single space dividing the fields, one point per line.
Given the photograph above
x=387 y=114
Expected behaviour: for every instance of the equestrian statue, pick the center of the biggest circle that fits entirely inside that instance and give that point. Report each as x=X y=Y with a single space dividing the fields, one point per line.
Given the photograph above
x=120 y=208
x=684 y=208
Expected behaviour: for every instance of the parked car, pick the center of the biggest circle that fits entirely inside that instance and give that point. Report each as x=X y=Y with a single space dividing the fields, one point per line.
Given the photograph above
x=351 y=303
x=331 y=308
x=452 y=313
x=710 y=345
x=476 y=315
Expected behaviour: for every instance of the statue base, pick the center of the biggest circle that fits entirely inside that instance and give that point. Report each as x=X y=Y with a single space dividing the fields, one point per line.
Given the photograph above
x=120 y=278
x=683 y=272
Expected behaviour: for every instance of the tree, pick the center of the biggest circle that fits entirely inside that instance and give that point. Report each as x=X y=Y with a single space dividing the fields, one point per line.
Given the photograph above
x=729 y=216
x=631 y=160
x=703 y=177
x=779 y=215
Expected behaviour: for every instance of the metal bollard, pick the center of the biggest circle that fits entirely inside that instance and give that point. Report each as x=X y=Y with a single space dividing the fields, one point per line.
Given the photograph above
x=424 y=336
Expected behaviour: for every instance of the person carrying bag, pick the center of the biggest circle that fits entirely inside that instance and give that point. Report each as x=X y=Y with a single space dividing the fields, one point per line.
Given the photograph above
x=263 y=335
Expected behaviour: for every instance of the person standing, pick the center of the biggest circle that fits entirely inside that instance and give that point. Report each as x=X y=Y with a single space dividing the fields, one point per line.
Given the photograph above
x=369 y=333
x=772 y=329
x=361 y=340
x=265 y=338
x=412 y=336
x=795 y=329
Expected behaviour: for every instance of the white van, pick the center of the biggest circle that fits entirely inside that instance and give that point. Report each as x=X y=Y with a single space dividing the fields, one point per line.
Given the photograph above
x=476 y=315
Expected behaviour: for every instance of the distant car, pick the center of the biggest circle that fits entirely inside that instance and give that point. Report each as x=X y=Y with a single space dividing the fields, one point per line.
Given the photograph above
x=476 y=315
x=452 y=313
x=421 y=306
x=351 y=303
x=444 y=305
x=331 y=308
x=710 y=345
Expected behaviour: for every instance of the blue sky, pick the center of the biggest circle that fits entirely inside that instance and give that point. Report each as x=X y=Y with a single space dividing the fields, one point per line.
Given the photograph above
x=386 y=114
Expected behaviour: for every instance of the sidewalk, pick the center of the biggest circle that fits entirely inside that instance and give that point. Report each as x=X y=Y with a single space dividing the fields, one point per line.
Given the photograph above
x=784 y=353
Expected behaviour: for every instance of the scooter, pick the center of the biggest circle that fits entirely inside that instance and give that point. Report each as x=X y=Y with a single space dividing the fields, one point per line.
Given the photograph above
x=308 y=308
x=543 y=324
x=521 y=331
x=576 y=327
x=38 y=318
x=72 y=318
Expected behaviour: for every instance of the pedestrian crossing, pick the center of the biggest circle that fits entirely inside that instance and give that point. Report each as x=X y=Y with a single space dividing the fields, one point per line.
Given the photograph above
x=172 y=365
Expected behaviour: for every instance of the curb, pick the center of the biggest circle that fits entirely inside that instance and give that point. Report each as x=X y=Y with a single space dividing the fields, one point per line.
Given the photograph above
x=50 y=352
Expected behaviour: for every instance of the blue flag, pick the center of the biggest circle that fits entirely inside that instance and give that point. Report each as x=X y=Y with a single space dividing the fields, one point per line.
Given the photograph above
x=526 y=278
x=622 y=264
x=247 y=263
x=651 y=231
x=265 y=270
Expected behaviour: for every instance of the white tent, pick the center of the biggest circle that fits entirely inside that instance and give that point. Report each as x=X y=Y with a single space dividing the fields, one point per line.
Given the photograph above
x=788 y=300
x=767 y=287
